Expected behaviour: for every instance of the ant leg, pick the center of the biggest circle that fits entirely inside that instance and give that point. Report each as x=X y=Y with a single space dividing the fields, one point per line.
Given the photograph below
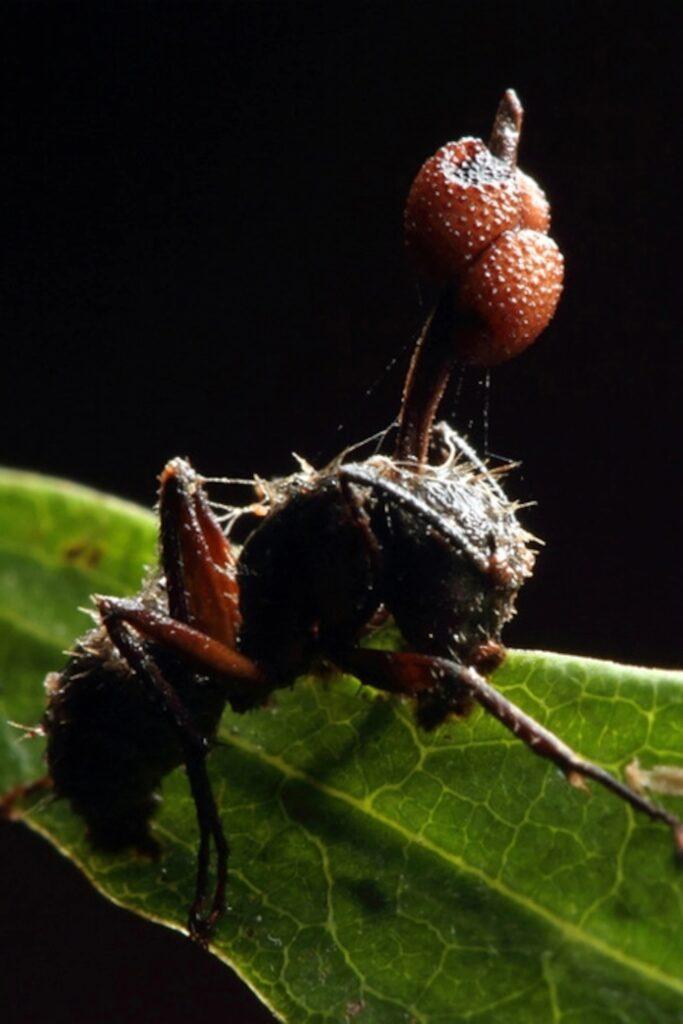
x=201 y=582
x=415 y=674
x=202 y=924
x=195 y=749
x=196 y=557
x=205 y=653
x=202 y=625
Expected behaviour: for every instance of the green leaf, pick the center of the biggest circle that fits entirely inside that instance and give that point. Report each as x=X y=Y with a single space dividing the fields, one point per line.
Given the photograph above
x=378 y=874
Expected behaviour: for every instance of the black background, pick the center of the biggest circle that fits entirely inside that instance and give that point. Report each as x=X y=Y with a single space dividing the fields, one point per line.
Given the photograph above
x=204 y=257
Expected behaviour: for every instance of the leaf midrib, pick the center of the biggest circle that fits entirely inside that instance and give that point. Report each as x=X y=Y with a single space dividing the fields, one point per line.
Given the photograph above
x=570 y=931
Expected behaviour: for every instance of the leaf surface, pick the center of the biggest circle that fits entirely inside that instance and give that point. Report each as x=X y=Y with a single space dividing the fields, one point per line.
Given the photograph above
x=378 y=874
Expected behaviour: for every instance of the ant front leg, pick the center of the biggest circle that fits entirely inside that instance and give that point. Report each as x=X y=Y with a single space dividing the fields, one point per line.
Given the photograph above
x=195 y=747
x=203 y=618
x=196 y=557
x=419 y=675
x=201 y=628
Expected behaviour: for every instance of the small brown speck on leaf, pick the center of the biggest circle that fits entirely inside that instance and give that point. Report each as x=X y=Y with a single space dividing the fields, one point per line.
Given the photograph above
x=83 y=553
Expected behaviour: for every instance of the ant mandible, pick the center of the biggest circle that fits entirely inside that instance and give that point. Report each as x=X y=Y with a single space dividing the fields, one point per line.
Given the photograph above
x=425 y=534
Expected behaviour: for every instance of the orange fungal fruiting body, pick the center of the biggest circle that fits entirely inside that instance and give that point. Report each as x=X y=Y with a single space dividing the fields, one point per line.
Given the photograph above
x=535 y=208
x=462 y=199
x=473 y=220
x=514 y=288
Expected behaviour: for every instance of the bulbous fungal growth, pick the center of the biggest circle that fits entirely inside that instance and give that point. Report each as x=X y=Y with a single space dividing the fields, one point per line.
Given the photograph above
x=535 y=208
x=476 y=222
x=462 y=199
x=477 y=226
x=513 y=289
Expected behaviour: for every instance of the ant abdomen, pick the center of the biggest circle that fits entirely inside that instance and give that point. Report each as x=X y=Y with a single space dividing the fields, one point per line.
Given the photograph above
x=108 y=745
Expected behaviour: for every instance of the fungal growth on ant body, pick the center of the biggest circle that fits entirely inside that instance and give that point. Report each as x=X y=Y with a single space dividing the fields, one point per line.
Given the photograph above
x=424 y=534
x=478 y=227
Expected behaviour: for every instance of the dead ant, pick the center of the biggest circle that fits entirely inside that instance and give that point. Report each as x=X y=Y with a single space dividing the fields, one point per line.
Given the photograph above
x=425 y=534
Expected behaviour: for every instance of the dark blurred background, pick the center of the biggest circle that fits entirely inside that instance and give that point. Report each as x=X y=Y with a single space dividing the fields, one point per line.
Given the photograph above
x=204 y=257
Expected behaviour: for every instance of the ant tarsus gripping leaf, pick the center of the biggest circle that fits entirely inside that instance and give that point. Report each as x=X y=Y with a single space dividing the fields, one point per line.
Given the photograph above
x=425 y=535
